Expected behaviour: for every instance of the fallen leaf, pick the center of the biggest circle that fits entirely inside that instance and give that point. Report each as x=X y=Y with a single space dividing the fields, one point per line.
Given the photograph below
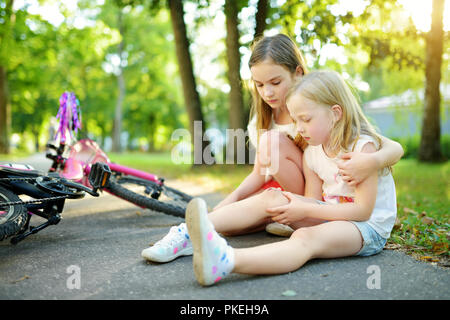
x=392 y=246
x=440 y=248
x=289 y=293
x=408 y=210
x=429 y=258
x=427 y=220
x=21 y=279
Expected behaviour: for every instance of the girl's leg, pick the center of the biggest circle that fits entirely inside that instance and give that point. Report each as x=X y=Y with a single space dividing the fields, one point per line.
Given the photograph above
x=248 y=214
x=283 y=159
x=215 y=259
x=328 y=240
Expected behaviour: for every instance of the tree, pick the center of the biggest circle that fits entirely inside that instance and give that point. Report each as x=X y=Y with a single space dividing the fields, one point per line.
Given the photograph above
x=236 y=111
x=5 y=49
x=5 y=112
x=430 y=149
x=191 y=96
x=260 y=18
x=117 y=128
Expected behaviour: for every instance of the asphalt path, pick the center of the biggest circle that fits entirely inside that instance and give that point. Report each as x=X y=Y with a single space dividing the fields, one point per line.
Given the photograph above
x=94 y=253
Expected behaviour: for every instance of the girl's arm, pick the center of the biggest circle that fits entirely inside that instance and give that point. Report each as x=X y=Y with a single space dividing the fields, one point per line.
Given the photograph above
x=357 y=166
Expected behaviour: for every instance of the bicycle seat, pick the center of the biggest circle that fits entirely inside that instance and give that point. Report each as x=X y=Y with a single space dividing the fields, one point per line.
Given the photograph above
x=25 y=170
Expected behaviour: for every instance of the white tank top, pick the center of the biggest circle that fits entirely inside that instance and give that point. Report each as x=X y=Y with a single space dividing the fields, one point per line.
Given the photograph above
x=288 y=129
x=335 y=190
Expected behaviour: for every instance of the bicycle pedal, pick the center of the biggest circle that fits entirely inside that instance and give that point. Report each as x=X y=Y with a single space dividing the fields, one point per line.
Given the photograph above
x=99 y=175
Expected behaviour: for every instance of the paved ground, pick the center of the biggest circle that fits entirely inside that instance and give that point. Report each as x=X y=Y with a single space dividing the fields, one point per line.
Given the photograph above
x=100 y=240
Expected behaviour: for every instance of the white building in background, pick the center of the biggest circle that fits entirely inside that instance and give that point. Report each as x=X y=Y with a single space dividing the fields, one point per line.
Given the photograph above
x=400 y=116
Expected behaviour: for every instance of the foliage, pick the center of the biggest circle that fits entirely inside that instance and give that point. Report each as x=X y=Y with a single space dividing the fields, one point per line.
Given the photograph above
x=411 y=146
x=384 y=55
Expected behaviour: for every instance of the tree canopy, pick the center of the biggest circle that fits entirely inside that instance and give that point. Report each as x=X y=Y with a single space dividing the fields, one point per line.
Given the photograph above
x=85 y=47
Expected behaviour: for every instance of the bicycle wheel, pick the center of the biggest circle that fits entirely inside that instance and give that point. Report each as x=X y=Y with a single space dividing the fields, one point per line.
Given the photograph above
x=148 y=194
x=12 y=217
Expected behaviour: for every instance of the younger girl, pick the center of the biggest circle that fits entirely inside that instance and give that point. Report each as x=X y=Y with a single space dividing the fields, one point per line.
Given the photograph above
x=275 y=64
x=352 y=221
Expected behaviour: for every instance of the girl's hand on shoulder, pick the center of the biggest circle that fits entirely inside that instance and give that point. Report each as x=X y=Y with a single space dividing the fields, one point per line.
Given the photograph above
x=289 y=213
x=355 y=167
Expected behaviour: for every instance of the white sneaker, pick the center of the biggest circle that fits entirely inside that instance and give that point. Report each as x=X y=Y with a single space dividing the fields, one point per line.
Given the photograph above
x=279 y=229
x=176 y=243
x=213 y=257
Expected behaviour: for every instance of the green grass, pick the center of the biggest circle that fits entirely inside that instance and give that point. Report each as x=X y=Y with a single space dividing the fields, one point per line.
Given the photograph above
x=423 y=217
x=223 y=178
x=16 y=156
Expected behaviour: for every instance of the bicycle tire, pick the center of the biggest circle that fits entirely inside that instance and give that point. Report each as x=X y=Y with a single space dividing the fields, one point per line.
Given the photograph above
x=14 y=217
x=117 y=189
x=165 y=189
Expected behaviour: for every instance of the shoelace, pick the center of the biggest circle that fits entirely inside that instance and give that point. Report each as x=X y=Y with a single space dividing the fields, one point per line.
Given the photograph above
x=171 y=238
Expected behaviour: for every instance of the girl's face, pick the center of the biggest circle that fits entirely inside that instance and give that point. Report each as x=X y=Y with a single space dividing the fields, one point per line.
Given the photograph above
x=313 y=121
x=272 y=82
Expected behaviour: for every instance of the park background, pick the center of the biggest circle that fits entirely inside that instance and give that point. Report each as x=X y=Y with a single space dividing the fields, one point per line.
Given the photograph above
x=142 y=69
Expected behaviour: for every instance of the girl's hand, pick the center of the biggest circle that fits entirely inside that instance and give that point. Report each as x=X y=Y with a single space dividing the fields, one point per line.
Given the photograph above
x=291 y=212
x=357 y=166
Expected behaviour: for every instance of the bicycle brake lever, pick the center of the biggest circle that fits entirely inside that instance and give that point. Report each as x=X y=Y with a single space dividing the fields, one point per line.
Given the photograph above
x=50 y=146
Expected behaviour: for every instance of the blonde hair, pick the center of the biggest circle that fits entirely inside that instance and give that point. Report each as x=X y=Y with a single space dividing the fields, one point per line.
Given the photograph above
x=328 y=88
x=282 y=51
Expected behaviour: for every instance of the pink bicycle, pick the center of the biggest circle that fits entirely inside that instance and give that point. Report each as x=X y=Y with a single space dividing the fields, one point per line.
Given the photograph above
x=73 y=160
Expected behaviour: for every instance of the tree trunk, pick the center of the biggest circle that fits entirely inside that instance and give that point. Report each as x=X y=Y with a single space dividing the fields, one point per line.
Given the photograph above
x=236 y=113
x=430 y=148
x=191 y=96
x=261 y=16
x=5 y=49
x=117 y=128
x=5 y=113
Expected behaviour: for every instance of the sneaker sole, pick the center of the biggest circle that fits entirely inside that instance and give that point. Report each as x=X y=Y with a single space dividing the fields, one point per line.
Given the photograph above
x=278 y=231
x=196 y=229
x=184 y=252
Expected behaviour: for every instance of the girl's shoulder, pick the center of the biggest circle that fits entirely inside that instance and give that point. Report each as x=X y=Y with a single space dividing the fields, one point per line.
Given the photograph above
x=362 y=141
x=288 y=128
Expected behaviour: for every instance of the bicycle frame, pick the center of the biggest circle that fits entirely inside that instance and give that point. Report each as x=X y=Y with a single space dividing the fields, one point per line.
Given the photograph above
x=73 y=160
x=82 y=155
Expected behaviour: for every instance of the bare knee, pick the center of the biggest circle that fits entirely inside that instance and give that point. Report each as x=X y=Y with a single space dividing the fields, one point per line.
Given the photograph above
x=276 y=138
x=305 y=237
x=273 y=197
x=303 y=234
x=268 y=146
x=275 y=146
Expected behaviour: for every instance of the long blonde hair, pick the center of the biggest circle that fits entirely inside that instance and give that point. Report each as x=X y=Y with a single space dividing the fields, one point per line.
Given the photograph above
x=328 y=88
x=282 y=51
